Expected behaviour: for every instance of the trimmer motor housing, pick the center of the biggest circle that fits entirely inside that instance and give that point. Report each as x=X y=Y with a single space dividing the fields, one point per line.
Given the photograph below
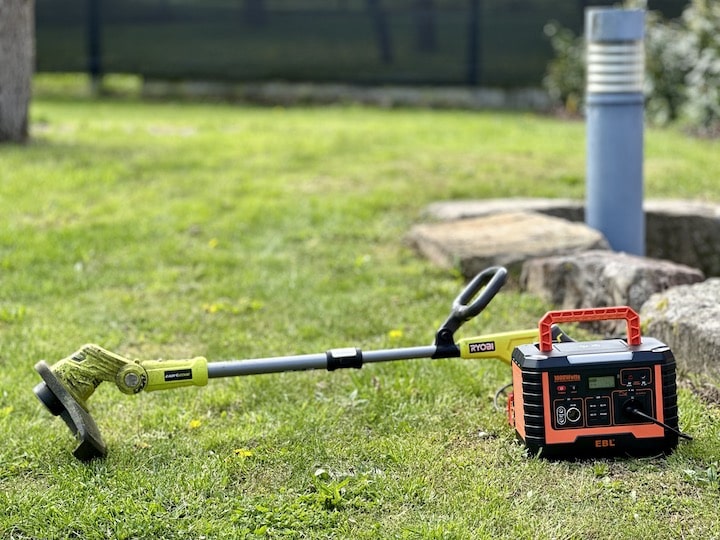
x=596 y=398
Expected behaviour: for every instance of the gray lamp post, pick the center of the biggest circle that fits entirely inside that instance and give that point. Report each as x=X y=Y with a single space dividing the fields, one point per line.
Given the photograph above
x=615 y=110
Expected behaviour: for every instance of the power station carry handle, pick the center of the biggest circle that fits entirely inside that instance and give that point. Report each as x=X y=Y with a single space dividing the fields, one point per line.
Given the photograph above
x=583 y=315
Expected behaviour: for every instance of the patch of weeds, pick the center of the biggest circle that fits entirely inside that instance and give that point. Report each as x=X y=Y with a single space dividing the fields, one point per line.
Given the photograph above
x=238 y=307
x=11 y=314
x=339 y=491
x=324 y=504
x=17 y=466
x=442 y=531
x=353 y=401
x=600 y=469
x=708 y=477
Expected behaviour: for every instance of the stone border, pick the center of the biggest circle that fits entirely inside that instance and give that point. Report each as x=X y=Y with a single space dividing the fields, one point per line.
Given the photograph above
x=289 y=94
x=685 y=232
x=504 y=238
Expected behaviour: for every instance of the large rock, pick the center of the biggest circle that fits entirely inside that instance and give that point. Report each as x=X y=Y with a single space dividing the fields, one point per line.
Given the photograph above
x=687 y=318
x=686 y=232
x=602 y=278
x=570 y=209
x=506 y=239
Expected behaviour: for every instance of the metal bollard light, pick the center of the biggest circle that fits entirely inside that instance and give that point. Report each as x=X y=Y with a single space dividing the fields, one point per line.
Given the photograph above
x=614 y=111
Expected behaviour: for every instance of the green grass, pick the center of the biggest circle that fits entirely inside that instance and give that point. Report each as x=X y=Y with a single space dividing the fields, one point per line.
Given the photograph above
x=174 y=230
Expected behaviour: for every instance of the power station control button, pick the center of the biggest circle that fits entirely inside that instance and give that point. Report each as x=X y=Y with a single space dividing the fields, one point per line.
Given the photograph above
x=560 y=416
x=598 y=411
x=573 y=414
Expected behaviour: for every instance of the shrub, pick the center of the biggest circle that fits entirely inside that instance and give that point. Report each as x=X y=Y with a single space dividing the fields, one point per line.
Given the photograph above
x=668 y=59
x=702 y=106
x=565 y=77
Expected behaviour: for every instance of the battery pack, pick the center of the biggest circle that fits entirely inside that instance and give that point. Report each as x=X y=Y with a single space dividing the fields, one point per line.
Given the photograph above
x=595 y=398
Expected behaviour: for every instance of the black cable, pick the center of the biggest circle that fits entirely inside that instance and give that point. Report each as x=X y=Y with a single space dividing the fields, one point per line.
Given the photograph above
x=637 y=412
x=497 y=396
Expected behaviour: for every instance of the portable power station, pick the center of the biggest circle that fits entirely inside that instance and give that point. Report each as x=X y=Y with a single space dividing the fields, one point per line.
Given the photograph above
x=596 y=398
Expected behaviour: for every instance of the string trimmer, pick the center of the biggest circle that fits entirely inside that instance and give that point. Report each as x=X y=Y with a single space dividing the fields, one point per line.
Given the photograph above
x=69 y=383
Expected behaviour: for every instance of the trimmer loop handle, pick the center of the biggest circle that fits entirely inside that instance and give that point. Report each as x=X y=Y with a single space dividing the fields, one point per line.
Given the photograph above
x=492 y=279
x=471 y=301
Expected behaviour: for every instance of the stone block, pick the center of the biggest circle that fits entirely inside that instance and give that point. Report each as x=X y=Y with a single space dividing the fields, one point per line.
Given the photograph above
x=570 y=209
x=687 y=318
x=685 y=232
x=603 y=278
x=507 y=239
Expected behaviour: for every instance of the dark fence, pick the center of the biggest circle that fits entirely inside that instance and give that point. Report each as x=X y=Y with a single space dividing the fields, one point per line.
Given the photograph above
x=439 y=42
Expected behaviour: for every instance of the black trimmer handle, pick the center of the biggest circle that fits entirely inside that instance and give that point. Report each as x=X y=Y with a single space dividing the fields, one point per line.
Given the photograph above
x=470 y=302
x=492 y=279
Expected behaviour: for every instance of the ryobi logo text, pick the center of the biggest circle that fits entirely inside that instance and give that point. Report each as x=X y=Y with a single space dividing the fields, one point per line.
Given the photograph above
x=482 y=346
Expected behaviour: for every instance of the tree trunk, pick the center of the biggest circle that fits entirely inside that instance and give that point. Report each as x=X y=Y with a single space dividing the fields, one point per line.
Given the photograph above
x=17 y=59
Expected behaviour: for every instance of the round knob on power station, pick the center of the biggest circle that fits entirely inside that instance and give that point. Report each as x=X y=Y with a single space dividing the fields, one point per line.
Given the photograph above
x=573 y=414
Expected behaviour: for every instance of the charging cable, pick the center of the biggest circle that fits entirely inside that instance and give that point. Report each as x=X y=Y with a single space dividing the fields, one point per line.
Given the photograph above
x=630 y=408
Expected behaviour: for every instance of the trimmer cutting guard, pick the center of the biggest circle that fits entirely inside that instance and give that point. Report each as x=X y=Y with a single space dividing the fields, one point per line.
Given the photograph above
x=60 y=402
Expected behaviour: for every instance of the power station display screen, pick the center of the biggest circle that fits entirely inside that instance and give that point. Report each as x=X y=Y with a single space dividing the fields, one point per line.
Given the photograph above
x=607 y=381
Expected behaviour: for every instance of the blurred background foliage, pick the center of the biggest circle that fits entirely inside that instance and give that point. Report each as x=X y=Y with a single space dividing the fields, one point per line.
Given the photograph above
x=682 y=67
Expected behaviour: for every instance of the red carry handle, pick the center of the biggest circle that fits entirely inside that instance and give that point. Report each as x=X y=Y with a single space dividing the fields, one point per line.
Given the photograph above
x=594 y=314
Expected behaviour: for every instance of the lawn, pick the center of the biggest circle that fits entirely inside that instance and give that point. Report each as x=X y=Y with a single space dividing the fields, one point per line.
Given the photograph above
x=170 y=230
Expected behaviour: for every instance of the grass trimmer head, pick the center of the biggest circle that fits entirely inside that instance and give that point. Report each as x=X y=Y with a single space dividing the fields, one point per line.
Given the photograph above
x=69 y=383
